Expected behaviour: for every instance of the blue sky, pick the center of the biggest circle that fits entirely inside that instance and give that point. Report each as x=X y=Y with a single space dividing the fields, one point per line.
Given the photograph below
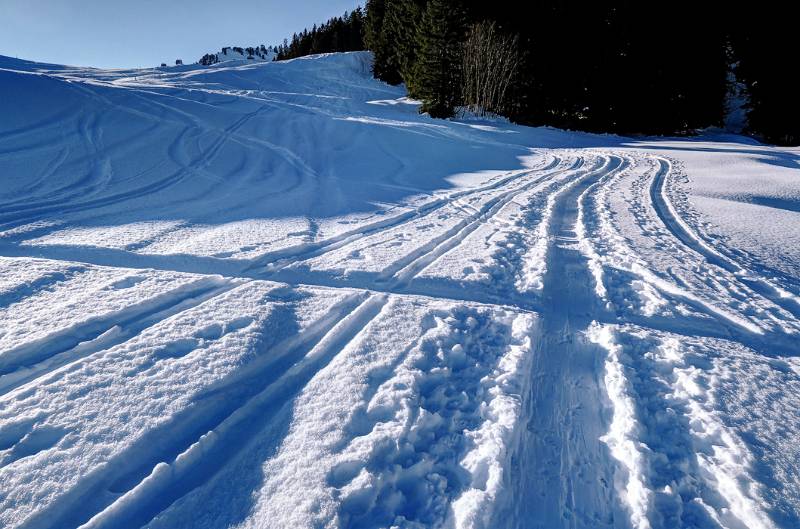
x=133 y=33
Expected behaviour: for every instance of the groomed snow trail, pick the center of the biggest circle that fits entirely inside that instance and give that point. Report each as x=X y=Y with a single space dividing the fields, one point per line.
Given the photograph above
x=561 y=473
x=273 y=295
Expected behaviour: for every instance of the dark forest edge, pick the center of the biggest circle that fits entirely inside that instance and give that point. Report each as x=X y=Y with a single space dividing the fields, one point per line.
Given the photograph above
x=619 y=67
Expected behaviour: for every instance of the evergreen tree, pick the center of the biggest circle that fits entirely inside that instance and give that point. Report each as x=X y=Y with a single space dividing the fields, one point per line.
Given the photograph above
x=761 y=40
x=391 y=35
x=375 y=39
x=402 y=20
x=624 y=66
x=671 y=85
x=345 y=33
x=437 y=79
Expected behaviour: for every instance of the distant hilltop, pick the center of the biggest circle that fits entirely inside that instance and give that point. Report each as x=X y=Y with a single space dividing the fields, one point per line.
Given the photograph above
x=338 y=34
x=236 y=53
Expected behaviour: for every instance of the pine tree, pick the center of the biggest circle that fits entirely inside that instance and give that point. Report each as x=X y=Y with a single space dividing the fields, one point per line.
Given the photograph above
x=437 y=79
x=375 y=41
x=761 y=40
x=673 y=59
x=339 y=34
x=391 y=36
x=402 y=20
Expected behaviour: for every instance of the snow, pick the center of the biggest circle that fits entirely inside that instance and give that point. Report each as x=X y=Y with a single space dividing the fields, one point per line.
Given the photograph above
x=271 y=294
x=233 y=53
x=705 y=479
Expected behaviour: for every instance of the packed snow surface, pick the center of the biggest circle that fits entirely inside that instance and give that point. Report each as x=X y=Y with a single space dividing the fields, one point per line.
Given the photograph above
x=267 y=295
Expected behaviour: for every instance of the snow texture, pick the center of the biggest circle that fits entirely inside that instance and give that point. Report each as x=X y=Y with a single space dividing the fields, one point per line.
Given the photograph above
x=272 y=294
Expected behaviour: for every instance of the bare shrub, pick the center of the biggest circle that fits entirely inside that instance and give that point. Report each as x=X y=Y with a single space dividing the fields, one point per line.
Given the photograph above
x=490 y=61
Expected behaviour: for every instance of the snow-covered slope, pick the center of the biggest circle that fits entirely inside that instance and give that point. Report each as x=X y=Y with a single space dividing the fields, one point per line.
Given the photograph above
x=238 y=53
x=271 y=294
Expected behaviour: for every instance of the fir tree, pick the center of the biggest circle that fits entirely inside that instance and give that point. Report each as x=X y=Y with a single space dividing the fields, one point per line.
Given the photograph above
x=761 y=40
x=437 y=79
x=384 y=66
x=345 y=33
x=392 y=37
x=402 y=20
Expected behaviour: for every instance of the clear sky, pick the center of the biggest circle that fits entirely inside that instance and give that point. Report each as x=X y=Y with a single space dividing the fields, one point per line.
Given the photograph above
x=134 y=33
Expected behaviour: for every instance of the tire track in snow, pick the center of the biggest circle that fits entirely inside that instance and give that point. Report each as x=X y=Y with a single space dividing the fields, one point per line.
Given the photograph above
x=514 y=269
x=96 y=173
x=34 y=360
x=263 y=267
x=233 y=269
x=98 y=159
x=276 y=261
x=684 y=467
x=168 y=462
x=692 y=498
x=561 y=474
x=733 y=325
x=681 y=230
x=398 y=277
x=88 y=128
x=393 y=279
x=192 y=167
x=402 y=272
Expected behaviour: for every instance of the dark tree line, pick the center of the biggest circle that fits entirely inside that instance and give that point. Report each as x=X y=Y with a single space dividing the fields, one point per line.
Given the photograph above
x=344 y=33
x=339 y=34
x=626 y=66
x=764 y=45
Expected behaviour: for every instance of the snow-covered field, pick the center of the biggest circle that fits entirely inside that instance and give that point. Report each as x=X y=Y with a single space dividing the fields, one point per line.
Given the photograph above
x=273 y=295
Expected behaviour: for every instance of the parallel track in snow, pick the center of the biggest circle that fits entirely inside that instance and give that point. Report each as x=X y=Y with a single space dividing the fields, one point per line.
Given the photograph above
x=729 y=494
x=33 y=212
x=560 y=469
x=681 y=230
x=275 y=262
x=189 y=449
x=403 y=271
x=33 y=360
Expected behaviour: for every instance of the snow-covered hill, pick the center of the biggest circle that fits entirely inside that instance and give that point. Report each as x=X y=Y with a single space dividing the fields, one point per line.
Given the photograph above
x=271 y=294
x=238 y=53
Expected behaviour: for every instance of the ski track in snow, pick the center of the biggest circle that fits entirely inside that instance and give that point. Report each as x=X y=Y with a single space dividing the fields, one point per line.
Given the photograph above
x=563 y=342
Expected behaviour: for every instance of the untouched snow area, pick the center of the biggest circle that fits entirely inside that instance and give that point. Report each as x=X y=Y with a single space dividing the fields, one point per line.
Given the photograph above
x=273 y=295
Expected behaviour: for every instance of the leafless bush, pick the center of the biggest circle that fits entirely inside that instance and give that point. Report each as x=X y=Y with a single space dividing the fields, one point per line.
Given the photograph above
x=490 y=61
